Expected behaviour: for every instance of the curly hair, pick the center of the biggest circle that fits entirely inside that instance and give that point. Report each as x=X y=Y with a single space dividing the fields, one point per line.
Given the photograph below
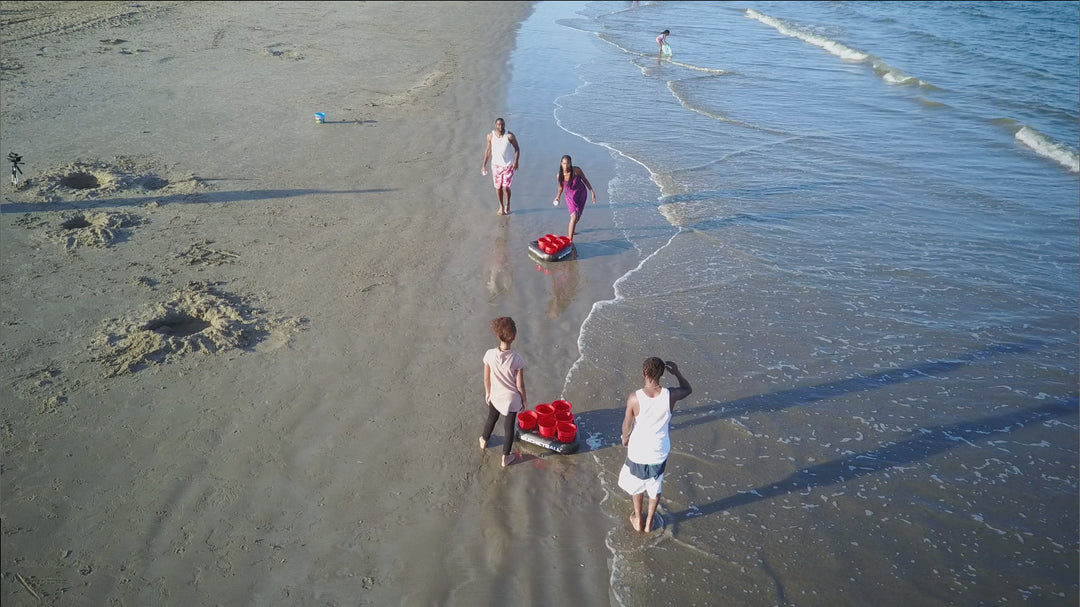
x=653 y=368
x=504 y=328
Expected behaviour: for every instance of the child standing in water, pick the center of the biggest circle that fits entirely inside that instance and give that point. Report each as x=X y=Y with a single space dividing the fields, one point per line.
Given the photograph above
x=661 y=41
x=504 y=386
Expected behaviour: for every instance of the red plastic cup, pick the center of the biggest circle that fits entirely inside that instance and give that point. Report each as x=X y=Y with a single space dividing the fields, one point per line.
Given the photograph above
x=547 y=426
x=545 y=420
x=561 y=405
x=527 y=420
x=566 y=432
x=564 y=416
x=544 y=409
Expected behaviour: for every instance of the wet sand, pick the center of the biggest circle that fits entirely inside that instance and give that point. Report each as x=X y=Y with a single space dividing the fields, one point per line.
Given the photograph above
x=240 y=351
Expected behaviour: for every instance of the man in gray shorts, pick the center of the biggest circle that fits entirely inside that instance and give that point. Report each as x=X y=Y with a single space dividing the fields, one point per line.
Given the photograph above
x=645 y=436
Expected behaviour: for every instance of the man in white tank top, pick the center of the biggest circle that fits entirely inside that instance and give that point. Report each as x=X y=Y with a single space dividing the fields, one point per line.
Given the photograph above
x=645 y=436
x=503 y=162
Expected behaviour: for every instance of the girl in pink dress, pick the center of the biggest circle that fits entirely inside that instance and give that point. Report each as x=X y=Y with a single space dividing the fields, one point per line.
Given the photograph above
x=572 y=180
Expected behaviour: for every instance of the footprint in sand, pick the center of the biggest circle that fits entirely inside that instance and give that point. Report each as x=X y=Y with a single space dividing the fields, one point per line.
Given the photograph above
x=281 y=51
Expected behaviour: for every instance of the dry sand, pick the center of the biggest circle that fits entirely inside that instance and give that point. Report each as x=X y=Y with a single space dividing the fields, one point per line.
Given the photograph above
x=239 y=364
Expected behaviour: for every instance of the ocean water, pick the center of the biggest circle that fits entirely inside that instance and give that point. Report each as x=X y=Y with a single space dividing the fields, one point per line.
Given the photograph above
x=856 y=228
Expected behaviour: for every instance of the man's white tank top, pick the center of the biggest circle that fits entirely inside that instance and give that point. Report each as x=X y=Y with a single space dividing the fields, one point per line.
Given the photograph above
x=502 y=153
x=649 y=442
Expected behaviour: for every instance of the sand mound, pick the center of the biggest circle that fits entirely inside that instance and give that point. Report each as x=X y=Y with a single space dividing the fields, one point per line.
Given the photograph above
x=90 y=180
x=197 y=318
x=433 y=84
x=90 y=229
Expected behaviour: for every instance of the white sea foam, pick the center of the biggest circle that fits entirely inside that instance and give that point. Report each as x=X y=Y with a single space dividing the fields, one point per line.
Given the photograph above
x=619 y=281
x=596 y=307
x=1048 y=148
x=844 y=52
x=888 y=73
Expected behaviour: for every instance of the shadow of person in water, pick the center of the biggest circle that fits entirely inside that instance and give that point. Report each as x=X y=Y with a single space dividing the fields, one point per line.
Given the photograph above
x=603 y=422
x=922 y=445
x=808 y=395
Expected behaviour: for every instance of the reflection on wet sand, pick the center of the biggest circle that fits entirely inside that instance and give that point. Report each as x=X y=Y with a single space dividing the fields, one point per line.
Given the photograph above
x=566 y=283
x=500 y=280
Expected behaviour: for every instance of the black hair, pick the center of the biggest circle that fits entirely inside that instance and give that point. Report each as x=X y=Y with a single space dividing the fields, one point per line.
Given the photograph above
x=653 y=368
x=561 y=176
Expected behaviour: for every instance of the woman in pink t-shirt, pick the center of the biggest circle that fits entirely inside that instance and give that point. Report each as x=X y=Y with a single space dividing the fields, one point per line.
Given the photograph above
x=504 y=386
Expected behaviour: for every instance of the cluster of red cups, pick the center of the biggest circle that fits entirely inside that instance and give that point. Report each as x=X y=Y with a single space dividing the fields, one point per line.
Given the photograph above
x=550 y=421
x=552 y=244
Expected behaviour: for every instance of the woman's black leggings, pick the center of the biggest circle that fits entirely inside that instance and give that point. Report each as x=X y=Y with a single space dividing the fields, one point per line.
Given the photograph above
x=508 y=427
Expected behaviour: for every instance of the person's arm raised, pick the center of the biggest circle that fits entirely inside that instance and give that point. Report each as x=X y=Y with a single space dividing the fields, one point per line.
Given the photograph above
x=684 y=389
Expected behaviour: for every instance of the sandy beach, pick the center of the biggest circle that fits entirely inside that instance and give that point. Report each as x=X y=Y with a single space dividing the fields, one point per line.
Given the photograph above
x=241 y=350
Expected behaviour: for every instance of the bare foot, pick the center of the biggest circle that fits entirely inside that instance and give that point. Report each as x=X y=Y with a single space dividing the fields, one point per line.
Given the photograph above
x=483 y=443
x=513 y=458
x=635 y=522
x=500 y=212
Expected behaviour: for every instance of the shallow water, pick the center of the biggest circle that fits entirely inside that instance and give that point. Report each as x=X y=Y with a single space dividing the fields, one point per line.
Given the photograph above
x=855 y=227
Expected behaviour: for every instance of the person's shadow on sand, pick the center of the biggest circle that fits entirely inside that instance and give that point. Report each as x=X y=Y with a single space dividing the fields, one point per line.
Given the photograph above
x=495 y=444
x=360 y=121
x=209 y=197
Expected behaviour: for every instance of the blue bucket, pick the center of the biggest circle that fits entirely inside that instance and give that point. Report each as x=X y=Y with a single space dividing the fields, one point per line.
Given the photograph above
x=320 y=117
